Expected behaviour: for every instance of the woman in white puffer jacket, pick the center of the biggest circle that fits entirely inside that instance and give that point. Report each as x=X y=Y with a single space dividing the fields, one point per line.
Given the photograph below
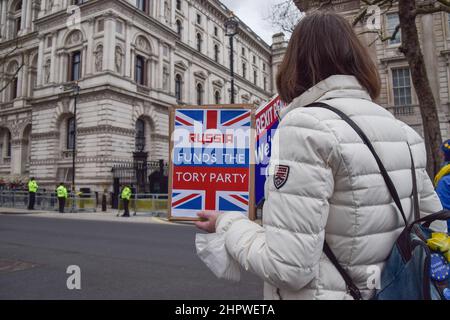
x=333 y=189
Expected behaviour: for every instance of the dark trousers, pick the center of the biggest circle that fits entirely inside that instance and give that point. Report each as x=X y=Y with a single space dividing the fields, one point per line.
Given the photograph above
x=62 y=203
x=31 y=200
x=126 y=213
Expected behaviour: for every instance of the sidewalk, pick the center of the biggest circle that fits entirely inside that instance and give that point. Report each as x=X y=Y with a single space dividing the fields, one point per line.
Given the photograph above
x=109 y=215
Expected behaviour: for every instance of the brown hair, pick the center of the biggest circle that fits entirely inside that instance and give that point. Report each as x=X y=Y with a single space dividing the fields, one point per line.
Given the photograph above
x=324 y=44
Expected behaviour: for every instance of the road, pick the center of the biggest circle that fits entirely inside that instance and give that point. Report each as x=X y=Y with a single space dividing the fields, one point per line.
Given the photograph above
x=118 y=260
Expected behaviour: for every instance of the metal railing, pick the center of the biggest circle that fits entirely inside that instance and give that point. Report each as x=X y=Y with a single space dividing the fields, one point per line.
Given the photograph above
x=48 y=201
x=155 y=204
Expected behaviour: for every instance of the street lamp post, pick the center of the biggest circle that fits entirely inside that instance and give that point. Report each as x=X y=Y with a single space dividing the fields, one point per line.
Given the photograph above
x=76 y=90
x=231 y=28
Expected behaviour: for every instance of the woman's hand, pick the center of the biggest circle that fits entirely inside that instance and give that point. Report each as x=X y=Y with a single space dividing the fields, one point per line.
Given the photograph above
x=208 y=220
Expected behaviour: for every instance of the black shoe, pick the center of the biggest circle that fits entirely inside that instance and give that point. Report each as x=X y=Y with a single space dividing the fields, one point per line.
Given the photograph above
x=125 y=215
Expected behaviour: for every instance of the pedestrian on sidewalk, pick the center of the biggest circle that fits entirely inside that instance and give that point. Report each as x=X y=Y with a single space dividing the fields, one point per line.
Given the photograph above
x=126 y=195
x=442 y=179
x=61 y=193
x=32 y=189
x=324 y=186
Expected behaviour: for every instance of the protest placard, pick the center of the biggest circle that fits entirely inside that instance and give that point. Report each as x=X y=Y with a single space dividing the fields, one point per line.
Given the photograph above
x=266 y=123
x=210 y=162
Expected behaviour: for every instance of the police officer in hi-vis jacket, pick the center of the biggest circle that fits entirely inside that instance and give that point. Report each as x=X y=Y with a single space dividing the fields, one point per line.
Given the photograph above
x=61 y=193
x=126 y=195
x=32 y=189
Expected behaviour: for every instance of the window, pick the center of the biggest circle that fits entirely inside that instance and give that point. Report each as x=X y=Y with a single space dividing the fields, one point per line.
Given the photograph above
x=70 y=138
x=140 y=135
x=179 y=27
x=75 y=71
x=8 y=150
x=17 y=23
x=216 y=53
x=216 y=31
x=199 y=90
x=100 y=25
x=392 y=22
x=254 y=59
x=199 y=18
x=448 y=23
x=14 y=87
x=17 y=18
x=244 y=70
x=178 y=87
x=78 y=2
x=243 y=51
x=199 y=42
x=401 y=87
x=178 y=5
x=264 y=67
x=255 y=77
x=141 y=5
x=265 y=84
x=139 y=76
x=217 y=97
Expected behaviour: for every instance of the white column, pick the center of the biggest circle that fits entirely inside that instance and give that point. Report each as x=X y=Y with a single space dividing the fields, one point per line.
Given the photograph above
x=172 y=71
x=90 y=47
x=3 y=21
x=24 y=71
x=159 y=76
x=29 y=17
x=40 y=66
x=110 y=42
x=128 y=60
x=54 y=67
x=23 y=20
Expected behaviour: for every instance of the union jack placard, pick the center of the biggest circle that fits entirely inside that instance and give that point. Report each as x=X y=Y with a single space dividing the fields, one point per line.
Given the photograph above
x=210 y=160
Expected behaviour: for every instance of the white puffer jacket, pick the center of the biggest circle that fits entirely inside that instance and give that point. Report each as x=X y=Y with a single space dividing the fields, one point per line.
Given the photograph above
x=333 y=190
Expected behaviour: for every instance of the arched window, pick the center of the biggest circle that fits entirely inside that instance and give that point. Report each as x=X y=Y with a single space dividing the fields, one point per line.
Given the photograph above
x=75 y=66
x=199 y=91
x=139 y=76
x=11 y=78
x=17 y=18
x=70 y=134
x=244 y=70
x=140 y=135
x=199 y=42
x=178 y=87
x=216 y=53
x=178 y=6
x=217 y=97
x=179 y=27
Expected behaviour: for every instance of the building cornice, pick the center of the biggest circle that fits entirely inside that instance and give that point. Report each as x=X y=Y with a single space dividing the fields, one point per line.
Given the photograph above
x=115 y=8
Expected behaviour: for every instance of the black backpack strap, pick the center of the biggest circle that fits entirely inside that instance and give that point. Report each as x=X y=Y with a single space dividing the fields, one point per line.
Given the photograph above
x=351 y=287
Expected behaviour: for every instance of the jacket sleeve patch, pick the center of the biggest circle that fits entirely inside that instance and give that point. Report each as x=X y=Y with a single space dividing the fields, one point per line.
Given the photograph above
x=281 y=175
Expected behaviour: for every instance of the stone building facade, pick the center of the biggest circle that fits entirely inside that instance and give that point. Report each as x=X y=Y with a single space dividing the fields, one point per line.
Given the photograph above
x=397 y=92
x=132 y=60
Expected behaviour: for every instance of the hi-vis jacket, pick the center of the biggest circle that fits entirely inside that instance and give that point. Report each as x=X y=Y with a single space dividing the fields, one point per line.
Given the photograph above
x=32 y=186
x=329 y=188
x=126 y=193
x=61 y=192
